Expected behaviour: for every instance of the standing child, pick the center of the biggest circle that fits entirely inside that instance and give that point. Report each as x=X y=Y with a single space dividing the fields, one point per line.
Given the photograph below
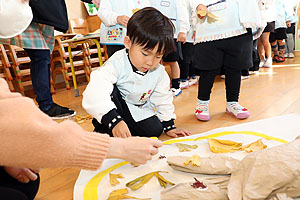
x=114 y=15
x=277 y=39
x=187 y=72
x=176 y=11
x=263 y=43
x=290 y=41
x=130 y=94
x=223 y=42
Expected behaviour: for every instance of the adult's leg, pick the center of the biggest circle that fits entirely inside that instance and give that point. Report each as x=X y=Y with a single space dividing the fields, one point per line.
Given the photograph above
x=40 y=76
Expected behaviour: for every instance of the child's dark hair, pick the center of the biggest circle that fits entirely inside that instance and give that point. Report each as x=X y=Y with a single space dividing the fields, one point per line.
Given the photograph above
x=148 y=27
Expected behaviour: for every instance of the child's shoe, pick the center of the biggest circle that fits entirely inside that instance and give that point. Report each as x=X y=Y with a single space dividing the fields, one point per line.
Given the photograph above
x=268 y=62
x=176 y=92
x=202 y=112
x=275 y=58
x=286 y=55
x=262 y=62
x=184 y=84
x=291 y=55
x=237 y=110
x=193 y=81
x=280 y=59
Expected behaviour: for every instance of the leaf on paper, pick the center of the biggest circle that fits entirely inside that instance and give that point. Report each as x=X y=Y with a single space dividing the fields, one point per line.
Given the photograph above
x=185 y=147
x=195 y=160
x=121 y=194
x=113 y=179
x=140 y=181
x=255 y=146
x=198 y=184
x=223 y=146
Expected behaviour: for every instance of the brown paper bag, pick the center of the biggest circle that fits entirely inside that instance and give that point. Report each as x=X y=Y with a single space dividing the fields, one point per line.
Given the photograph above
x=262 y=174
x=184 y=191
x=217 y=164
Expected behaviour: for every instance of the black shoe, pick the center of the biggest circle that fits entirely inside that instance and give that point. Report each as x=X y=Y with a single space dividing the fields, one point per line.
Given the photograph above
x=59 y=112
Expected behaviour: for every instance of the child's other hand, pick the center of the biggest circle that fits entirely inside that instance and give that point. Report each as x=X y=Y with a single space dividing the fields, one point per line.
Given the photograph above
x=23 y=175
x=201 y=7
x=181 y=37
x=121 y=130
x=123 y=20
x=178 y=132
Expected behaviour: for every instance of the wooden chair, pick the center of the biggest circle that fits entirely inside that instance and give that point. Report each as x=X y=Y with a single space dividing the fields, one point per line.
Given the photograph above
x=60 y=62
x=80 y=26
x=4 y=68
x=20 y=63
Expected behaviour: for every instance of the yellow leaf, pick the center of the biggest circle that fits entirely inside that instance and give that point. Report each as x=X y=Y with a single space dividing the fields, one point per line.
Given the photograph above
x=195 y=159
x=185 y=147
x=223 y=146
x=121 y=194
x=202 y=13
x=142 y=180
x=118 y=192
x=255 y=146
x=113 y=179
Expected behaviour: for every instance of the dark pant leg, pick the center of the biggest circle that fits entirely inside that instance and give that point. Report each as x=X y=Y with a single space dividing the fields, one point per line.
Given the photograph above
x=111 y=49
x=206 y=81
x=15 y=190
x=148 y=127
x=184 y=69
x=40 y=76
x=232 y=83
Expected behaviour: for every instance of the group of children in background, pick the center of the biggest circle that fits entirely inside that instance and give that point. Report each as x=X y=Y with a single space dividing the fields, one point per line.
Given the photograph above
x=131 y=94
x=279 y=33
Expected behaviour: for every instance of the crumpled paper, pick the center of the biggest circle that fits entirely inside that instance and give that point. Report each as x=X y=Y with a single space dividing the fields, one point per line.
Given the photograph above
x=263 y=174
x=216 y=164
x=184 y=191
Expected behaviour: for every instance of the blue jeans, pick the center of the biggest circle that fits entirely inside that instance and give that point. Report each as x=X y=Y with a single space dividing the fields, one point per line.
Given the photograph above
x=40 y=76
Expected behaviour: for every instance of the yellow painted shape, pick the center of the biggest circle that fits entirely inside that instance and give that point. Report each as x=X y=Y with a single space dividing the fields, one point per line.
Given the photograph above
x=90 y=190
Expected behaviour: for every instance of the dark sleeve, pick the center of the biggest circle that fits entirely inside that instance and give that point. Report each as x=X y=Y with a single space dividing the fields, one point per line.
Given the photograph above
x=87 y=1
x=168 y=125
x=111 y=119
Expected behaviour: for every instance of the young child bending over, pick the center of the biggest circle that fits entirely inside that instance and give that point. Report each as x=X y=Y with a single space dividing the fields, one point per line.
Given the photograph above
x=130 y=94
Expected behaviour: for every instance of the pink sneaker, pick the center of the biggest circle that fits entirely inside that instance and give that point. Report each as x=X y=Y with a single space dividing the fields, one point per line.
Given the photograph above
x=202 y=112
x=237 y=110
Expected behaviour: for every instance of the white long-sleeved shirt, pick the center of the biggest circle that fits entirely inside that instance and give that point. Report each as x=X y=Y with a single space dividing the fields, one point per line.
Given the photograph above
x=234 y=16
x=145 y=95
x=176 y=11
x=110 y=31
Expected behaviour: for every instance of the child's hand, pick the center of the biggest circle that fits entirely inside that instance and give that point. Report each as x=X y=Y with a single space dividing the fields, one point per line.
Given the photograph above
x=23 y=175
x=178 y=132
x=123 y=20
x=181 y=37
x=201 y=7
x=121 y=130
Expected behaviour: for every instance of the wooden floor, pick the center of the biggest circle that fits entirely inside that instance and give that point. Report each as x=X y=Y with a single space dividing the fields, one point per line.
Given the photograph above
x=269 y=93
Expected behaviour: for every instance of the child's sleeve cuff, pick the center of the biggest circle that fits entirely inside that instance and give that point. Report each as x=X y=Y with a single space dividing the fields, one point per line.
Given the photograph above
x=168 y=125
x=111 y=119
